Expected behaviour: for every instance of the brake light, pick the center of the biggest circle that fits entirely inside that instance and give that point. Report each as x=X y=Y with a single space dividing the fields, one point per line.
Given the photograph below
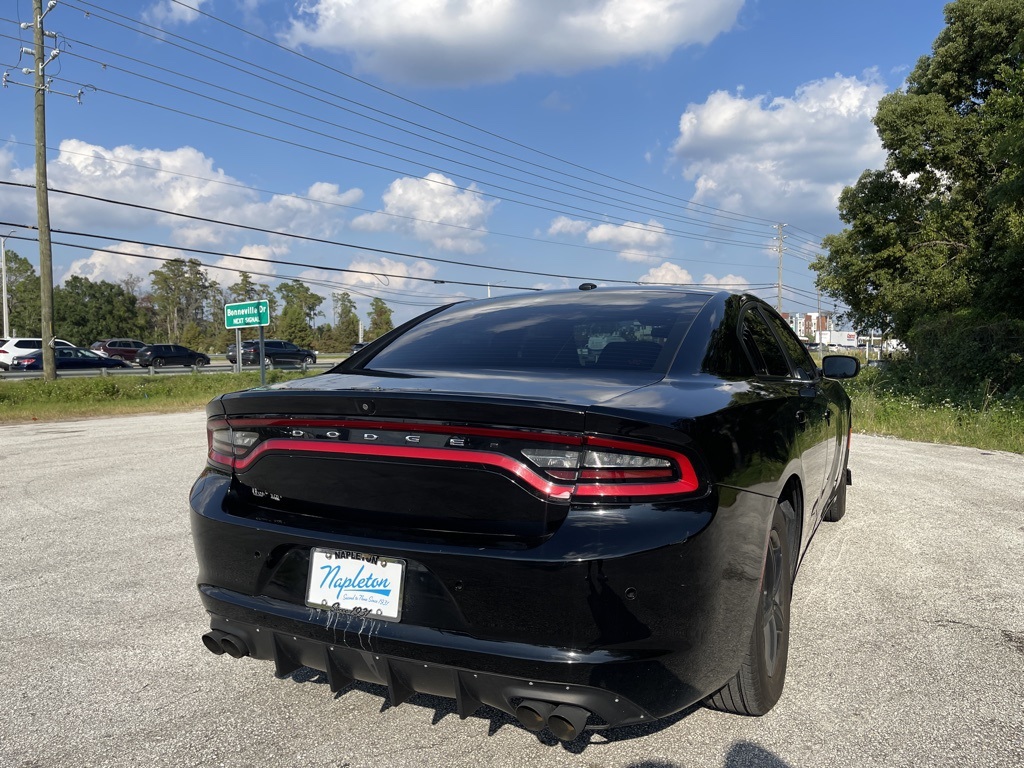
x=559 y=466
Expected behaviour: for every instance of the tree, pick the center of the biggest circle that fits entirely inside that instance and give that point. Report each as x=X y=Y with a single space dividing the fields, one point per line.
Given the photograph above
x=939 y=231
x=23 y=298
x=380 y=320
x=297 y=294
x=84 y=311
x=183 y=294
x=346 y=322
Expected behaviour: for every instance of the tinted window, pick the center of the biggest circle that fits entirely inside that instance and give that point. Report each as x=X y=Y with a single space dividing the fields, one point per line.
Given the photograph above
x=606 y=330
x=762 y=346
x=29 y=344
x=805 y=368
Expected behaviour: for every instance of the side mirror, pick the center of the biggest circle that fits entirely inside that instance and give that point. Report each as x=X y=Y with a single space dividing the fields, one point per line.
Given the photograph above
x=839 y=366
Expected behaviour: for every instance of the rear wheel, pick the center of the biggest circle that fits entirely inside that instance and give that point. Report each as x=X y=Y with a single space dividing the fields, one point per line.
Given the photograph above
x=758 y=685
x=268 y=362
x=158 y=362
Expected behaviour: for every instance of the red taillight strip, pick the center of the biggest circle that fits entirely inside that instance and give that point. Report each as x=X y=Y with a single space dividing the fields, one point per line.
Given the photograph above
x=456 y=455
x=510 y=434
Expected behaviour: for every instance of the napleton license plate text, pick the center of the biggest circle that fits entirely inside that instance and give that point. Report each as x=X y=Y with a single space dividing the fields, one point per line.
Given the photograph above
x=355 y=583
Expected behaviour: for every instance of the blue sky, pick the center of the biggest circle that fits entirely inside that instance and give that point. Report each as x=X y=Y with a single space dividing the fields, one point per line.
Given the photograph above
x=439 y=149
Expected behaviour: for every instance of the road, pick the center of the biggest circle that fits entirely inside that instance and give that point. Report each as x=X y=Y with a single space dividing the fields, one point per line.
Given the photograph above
x=907 y=644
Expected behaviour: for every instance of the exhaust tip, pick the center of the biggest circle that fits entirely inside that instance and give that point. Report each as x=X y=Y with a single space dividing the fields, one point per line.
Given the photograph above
x=567 y=722
x=234 y=646
x=533 y=715
x=212 y=642
x=218 y=642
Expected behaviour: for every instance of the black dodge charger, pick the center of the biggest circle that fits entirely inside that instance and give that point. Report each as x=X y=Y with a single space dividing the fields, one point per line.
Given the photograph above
x=584 y=508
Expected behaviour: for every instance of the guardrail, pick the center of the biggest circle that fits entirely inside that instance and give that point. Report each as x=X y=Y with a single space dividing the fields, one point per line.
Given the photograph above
x=167 y=369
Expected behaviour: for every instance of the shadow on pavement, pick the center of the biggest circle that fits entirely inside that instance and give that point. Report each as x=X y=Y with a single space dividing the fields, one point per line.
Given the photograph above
x=742 y=754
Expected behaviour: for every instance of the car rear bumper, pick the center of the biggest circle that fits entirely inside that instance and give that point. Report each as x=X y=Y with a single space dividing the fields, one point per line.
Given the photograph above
x=631 y=614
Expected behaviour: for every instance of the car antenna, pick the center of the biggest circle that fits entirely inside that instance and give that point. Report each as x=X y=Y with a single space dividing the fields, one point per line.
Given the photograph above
x=588 y=286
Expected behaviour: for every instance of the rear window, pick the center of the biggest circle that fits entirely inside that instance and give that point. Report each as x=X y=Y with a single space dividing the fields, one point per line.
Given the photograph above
x=636 y=330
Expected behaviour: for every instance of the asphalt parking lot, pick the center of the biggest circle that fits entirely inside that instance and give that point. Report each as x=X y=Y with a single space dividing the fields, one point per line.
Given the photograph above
x=907 y=645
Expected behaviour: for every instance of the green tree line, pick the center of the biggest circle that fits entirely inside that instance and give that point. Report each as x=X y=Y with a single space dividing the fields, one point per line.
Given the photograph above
x=933 y=251
x=183 y=306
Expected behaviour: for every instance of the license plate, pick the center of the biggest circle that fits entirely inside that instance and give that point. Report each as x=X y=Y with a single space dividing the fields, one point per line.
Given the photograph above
x=355 y=583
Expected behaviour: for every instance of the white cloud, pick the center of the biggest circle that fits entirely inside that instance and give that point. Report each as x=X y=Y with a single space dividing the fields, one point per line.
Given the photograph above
x=784 y=157
x=433 y=210
x=673 y=274
x=635 y=241
x=474 y=41
x=563 y=225
x=114 y=267
x=397 y=271
x=183 y=180
x=166 y=13
x=230 y=266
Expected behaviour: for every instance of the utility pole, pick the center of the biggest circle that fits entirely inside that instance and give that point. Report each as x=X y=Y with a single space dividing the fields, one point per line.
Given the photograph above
x=817 y=323
x=780 y=249
x=42 y=198
x=3 y=280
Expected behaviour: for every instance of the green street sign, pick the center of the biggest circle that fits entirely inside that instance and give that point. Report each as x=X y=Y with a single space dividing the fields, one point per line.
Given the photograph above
x=247 y=314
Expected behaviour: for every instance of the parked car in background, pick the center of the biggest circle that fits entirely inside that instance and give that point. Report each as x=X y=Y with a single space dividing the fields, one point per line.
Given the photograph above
x=118 y=349
x=473 y=508
x=159 y=355
x=24 y=345
x=67 y=359
x=276 y=352
x=358 y=345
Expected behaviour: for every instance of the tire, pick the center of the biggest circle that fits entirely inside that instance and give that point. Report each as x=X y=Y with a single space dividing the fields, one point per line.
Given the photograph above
x=200 y=362
x=157 y=362
x=758 y=685
x=268 y=362
x=308 y=360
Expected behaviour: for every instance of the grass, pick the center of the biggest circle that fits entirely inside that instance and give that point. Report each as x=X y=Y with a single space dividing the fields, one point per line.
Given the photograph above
x=883 y=405
x=997 y=425
x=83 y=397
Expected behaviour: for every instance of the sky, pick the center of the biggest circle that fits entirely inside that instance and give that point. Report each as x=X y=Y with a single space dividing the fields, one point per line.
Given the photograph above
x=428 y=151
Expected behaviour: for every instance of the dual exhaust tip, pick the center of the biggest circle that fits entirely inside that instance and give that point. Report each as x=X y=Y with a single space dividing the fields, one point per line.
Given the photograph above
x=218 y=642
x=565 y=721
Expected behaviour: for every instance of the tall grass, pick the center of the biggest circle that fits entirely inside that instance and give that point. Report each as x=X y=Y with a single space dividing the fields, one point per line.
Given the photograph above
x=882 y=406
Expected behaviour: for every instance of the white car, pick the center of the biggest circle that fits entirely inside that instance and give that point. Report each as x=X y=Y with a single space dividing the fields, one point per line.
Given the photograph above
x=18 y=345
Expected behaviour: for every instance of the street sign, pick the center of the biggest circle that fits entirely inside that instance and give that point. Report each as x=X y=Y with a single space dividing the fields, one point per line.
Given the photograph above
x=247 y=314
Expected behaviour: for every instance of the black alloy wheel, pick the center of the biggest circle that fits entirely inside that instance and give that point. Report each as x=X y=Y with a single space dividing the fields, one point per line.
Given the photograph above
x=157 y=362
x=757 y=686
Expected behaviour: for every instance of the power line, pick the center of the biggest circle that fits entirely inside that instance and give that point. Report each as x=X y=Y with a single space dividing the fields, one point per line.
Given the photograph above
x=317 y=201
x=644 y=210
x=579 y=213
x=164 y=34
x=283 y=262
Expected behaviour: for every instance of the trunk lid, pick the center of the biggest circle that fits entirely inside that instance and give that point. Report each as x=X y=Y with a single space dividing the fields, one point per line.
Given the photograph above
x=384 y=455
